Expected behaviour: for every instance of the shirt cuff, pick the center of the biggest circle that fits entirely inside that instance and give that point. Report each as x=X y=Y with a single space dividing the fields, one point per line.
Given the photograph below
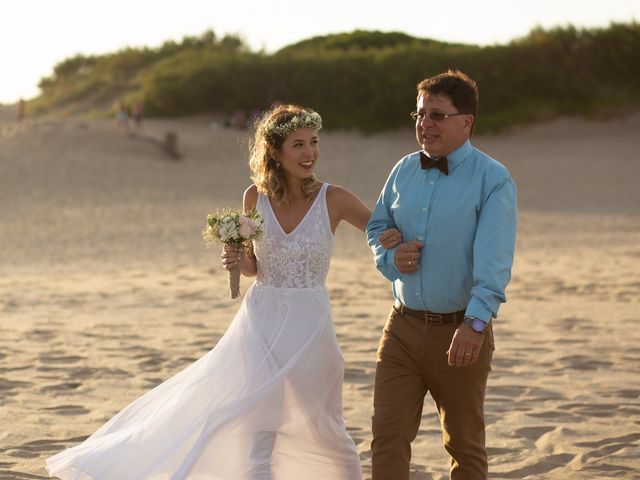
x=477 y=309
x=387 y=266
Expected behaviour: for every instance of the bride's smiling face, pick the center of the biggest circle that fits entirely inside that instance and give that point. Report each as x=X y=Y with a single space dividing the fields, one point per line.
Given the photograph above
x=299 y=153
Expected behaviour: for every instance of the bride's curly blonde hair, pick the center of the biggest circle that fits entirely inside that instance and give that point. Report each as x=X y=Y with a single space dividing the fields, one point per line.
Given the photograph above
x=271 y=131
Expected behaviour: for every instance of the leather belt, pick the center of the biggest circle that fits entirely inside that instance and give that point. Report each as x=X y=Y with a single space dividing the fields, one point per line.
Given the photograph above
x=431 y=318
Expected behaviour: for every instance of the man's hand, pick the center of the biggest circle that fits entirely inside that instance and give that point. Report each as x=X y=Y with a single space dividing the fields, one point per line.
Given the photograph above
x=408 y=256
x=465 y=346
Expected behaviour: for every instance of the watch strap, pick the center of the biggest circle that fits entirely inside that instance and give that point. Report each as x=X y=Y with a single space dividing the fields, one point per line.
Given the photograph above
x=477 y=324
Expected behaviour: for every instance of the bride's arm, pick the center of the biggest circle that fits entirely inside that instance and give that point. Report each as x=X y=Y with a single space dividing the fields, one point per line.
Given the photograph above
x=344 y=205
x=231 y=255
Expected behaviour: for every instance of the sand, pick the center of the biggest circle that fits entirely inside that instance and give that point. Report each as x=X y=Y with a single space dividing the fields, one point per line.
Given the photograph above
x=106 y=290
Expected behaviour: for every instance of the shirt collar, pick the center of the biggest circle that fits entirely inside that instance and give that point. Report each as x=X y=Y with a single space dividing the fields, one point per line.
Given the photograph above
x=459 y=154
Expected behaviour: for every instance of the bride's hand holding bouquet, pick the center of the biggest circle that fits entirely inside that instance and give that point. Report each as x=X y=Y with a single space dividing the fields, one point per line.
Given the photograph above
x=235 y=230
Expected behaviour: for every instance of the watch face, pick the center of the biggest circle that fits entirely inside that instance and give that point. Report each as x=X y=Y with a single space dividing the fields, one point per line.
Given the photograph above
x=478 y=325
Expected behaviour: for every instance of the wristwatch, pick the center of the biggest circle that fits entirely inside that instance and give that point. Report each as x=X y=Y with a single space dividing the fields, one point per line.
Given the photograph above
x=478 y=326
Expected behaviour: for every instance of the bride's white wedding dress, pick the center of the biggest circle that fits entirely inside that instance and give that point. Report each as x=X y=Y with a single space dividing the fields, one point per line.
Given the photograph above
x=265 y=403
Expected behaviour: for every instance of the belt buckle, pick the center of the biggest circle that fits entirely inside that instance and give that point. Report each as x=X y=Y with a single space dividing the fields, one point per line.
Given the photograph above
x=434 y=319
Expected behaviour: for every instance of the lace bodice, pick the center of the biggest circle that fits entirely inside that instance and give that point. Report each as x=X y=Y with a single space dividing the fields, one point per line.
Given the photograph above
x=299 y=259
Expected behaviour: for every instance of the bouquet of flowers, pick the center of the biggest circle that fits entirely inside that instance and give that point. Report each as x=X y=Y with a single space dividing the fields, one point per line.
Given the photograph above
x=233 y=227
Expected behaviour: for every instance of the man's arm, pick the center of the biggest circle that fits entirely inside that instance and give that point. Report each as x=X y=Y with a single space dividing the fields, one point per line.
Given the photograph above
x=381 y=219
x=492 y=260
x=493 y=251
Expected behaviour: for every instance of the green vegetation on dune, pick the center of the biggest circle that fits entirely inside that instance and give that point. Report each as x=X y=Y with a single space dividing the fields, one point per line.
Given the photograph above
x=358 y=40
x=362 y=80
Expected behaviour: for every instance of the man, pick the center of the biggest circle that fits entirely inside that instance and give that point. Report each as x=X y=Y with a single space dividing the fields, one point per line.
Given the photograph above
x=456 y=209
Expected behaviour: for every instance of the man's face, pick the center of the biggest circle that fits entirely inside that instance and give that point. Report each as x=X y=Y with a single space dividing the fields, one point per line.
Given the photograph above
x=440 y=138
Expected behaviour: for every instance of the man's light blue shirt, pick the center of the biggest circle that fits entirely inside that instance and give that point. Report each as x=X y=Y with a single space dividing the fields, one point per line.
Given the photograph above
x=467 y=223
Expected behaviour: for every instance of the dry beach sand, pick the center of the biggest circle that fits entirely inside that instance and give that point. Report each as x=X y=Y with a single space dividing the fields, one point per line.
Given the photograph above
x=105 y=289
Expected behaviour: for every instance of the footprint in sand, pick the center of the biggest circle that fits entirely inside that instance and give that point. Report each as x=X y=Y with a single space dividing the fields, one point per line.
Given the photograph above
x=436 y=432
x=40 y=335
x=198 y=326
x=67 y=410
x=357 y=434
x=496 y=451
x=150 y=361
x=631 y=439
x=635 y=394
x=7 y=386
x=338 y=294
x=358 y=375
x=65 y=387
x=508 y=391
x=506 y=362
x=82 y=373
x=196 y=295
x=599 y=459
x=532 y=433
x=572 y=323
x=541 y=467
x=181 y=363
x=34 y=449
x=563 y=417
x=153 y=382
x=597 y=410
x=582 y=362
x=57 y=358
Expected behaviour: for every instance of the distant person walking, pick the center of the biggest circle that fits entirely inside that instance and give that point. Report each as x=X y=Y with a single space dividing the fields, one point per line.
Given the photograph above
x=122 y=117
x=136 y=116
x=456 y=209
x=22 y=107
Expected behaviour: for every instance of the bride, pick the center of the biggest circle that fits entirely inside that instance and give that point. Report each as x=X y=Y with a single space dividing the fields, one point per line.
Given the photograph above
x=266 y=402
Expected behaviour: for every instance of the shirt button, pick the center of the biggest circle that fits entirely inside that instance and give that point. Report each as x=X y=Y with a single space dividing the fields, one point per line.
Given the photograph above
x=431 y=182
x=424 y=209
x=417 y=294
x=420 y=237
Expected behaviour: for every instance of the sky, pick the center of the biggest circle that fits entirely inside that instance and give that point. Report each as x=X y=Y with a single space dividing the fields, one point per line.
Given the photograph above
x=37 y=34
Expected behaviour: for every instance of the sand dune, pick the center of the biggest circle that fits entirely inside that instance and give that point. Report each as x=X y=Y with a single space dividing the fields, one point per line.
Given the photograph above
x=105 y=289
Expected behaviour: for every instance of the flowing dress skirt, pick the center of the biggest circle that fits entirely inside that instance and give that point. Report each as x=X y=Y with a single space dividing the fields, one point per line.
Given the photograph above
x=266 y=402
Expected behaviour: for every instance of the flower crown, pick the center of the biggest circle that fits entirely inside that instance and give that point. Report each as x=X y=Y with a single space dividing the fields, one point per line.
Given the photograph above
x=303 y=120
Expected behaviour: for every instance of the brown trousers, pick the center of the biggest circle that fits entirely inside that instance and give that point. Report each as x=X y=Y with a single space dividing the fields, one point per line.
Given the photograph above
x=411 y=361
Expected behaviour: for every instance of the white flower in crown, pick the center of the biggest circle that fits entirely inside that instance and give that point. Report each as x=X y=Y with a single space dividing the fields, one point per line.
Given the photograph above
x=310 y=120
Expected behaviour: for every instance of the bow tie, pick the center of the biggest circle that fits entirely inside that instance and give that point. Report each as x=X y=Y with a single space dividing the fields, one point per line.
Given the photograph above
x=440 y=163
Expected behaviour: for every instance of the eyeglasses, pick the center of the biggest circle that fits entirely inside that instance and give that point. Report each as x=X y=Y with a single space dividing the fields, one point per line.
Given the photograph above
x=435 y=116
